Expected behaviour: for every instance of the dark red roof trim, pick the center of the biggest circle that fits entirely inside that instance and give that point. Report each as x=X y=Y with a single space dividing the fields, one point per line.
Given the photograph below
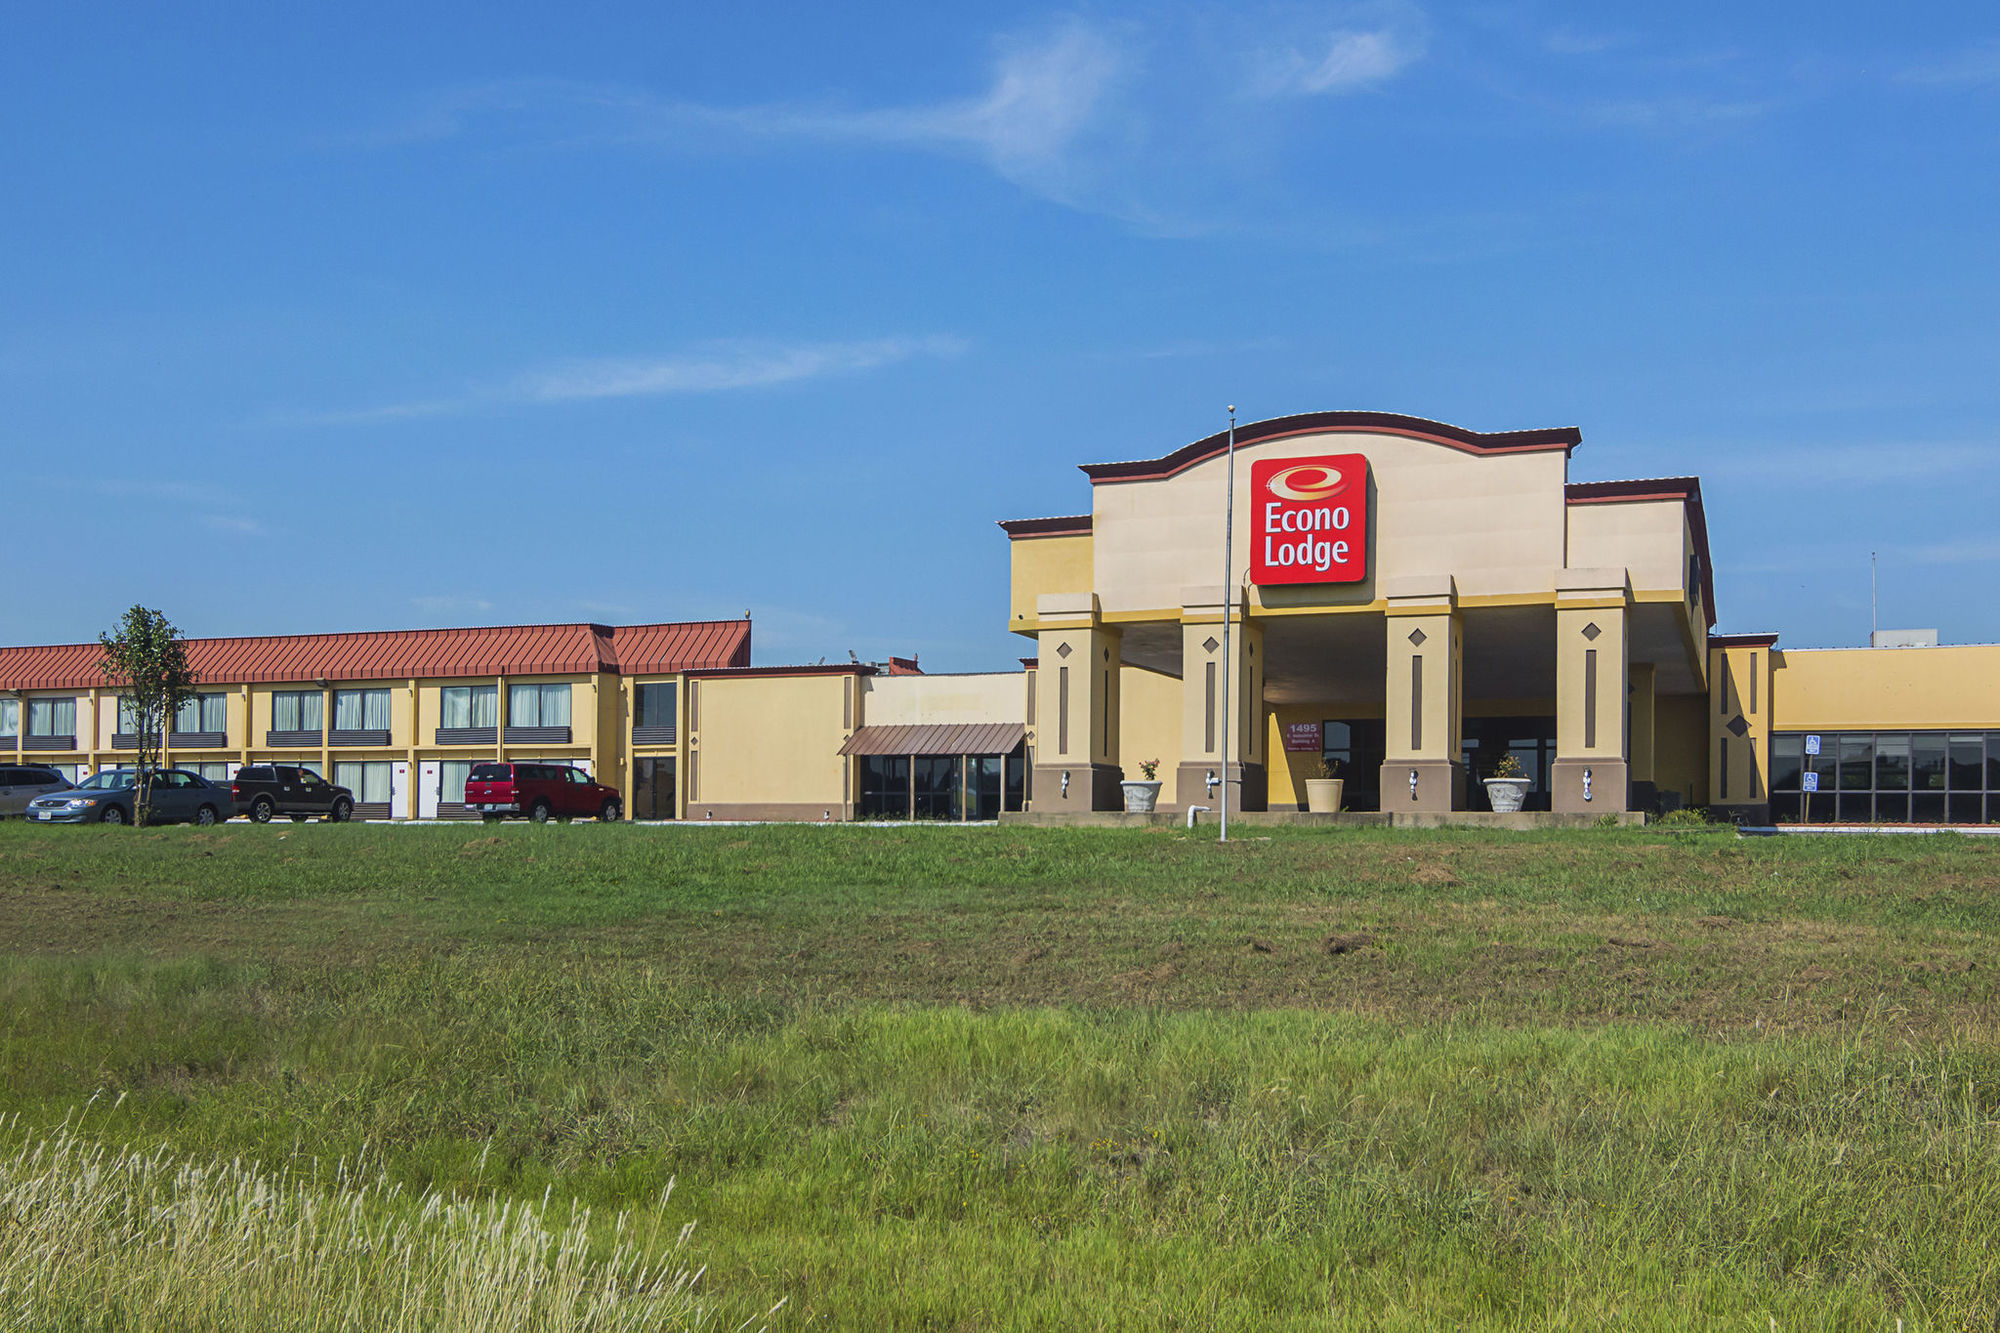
x=1066 y=525
x=1742 y=640
x=1685 y=489
x=1318 y=423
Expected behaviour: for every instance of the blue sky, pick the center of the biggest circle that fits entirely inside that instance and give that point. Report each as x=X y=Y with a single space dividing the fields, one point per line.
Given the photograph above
x=778 y=307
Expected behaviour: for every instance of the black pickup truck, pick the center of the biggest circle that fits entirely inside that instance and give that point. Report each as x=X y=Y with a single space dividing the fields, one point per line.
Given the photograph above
x=263 y=791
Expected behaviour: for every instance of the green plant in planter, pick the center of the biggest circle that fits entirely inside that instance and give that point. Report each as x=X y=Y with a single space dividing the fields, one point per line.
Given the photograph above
x=1149 y=767
x=1508 y=767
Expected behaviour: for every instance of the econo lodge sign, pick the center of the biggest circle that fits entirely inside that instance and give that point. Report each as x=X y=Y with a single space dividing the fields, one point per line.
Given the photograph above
x=1309 y=519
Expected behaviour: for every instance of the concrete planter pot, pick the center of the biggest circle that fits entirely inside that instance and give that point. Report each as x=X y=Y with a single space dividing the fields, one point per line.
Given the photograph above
x=1506 y=794
x=1141 y=797
x=1323 y=795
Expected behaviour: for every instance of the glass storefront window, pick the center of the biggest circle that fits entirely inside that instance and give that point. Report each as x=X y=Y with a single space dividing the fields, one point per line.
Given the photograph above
x=1927 y=763
x=1787 y=763
x=1966 y=770
x=1892 y=764
x=1857 y=763
x=1925 y=777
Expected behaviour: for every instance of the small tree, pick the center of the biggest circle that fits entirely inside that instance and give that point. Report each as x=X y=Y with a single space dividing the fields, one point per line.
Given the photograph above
x=145 y=658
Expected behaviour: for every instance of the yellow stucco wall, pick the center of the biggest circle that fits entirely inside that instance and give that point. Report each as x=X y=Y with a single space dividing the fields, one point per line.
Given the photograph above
x=1836 y=689
x=1045 y=565
x=992 y=696
x=1680 y=746
x=769 y=740
x=1149 y=719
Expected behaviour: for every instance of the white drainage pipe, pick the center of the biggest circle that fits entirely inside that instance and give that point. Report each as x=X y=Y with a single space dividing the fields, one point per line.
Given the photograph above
x=1194 y=810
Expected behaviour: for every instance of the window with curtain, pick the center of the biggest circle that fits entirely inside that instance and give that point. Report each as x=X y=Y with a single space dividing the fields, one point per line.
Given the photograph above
x=297 y=710
x=128 y=716
x=52 y=717
x=212 y=771
x=469 y=706
x=538 y=705
x=204 y=712
x=369 y=781
x=361 y=710
x=452 y=778
x=10 y=717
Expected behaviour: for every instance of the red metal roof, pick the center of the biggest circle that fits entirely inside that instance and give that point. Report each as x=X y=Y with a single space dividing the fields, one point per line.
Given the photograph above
x=513 y=650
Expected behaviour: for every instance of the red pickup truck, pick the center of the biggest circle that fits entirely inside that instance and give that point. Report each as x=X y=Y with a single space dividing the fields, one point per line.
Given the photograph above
x=539 y=791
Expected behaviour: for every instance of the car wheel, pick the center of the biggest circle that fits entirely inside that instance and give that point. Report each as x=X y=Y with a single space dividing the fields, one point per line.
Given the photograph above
x=205 y=816
x=113 y=814
x=612 y=812
x=540 y=812
x=262 y=809
x=343 y=810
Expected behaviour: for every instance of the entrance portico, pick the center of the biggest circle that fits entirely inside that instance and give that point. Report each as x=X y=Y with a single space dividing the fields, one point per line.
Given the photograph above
x=1437 y=599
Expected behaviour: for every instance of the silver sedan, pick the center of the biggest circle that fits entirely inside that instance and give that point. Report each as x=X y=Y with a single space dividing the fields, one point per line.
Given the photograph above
x=177 y=797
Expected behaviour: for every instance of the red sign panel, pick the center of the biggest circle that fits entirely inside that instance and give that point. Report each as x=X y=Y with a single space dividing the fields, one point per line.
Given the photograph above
x=1304 y=736
x=1309 y=519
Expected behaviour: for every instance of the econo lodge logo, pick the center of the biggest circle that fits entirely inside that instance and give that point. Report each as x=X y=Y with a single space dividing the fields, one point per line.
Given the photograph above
x=1309 y=520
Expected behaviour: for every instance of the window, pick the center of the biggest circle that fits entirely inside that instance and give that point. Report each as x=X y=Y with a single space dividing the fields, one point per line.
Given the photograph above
x=937 y=786
x=368 y=781
x=204 y=712
x=128 y=716
x=52 y=717
x=653 y=720
x=469 y=706
x=538 y=705
x=1925 y=777
x=297 y=710
x=885 y=786
x=10 y=717
x=452 y=776
x=360 y=710
x=214 y=772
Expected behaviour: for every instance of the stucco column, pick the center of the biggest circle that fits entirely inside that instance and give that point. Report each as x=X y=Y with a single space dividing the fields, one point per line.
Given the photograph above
x=1739 y=720
x=1423 y=765
x=1593 y=659
x=1076 y=704
x=1205 y=772
x=1640 y=713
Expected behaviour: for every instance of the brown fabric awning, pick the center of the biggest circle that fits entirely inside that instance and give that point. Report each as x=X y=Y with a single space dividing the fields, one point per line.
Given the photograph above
x=939 y=738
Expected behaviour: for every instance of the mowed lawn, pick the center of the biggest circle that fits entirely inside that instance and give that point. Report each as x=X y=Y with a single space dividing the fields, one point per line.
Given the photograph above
x=1013 y=1078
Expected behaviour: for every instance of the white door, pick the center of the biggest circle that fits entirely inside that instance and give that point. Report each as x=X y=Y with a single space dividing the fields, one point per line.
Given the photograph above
x=399 y=791
x=430 y=780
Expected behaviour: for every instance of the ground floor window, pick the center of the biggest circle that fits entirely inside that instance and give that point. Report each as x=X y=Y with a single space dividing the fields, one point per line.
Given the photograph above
x=1885 y=777
x=213 y=771
x=369 y=781
x=954 y=787
x=453 y=774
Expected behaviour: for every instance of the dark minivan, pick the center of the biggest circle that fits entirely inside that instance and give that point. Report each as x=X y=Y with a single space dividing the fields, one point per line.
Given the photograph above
x=262 y=791
x=539 y=791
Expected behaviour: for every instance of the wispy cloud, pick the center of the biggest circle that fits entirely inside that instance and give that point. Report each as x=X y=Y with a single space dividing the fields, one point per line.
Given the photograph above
x=1344 y=61
x=1971 y=67
x=714 y=368
x=234 y=525
x=451 y=604
x=1975 y=552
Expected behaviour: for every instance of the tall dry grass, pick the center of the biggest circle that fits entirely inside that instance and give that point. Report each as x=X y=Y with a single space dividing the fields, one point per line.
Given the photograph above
x=101 y=1237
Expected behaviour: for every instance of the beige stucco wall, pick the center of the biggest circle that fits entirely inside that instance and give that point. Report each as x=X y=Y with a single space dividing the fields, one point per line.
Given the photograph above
x=769 y=740
x=1495 y=521
x=995 y=696
x=1833 y=689
x=1649 y=538
x=1045 y=565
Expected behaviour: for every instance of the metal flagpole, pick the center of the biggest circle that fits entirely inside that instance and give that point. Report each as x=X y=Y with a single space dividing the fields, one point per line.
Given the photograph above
x=1228 y=611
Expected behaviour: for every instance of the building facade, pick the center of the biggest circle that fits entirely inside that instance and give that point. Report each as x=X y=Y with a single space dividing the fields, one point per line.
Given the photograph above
x=1406 y=604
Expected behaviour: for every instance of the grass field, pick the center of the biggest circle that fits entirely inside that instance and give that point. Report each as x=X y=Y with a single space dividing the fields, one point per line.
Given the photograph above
x=1000 y=1078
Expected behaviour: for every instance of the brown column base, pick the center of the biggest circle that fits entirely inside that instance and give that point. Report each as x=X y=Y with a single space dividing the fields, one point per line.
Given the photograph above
x=1440 y=786
x=1607 y=793
x=1249 y=787
x=1091 y=787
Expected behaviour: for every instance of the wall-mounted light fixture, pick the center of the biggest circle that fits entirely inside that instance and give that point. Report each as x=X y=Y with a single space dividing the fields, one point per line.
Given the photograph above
x=1413 y=784
x=1586 y=784
x=1065 y=784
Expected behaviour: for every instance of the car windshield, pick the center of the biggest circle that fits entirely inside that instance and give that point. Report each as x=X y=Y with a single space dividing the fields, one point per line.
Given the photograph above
x=117 y=781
